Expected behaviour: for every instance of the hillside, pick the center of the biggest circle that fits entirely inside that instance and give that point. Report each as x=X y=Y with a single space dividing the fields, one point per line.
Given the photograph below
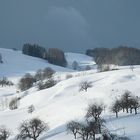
x=63 y=102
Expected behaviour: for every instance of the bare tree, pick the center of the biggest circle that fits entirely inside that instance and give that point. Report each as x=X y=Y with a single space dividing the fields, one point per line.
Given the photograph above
x=134 y=104
x=125 y=100
x=85 y=85
x=73 y=127
x=47 y=84
x=68 y=76
x=116 y=107
x=32 y=129
x=4 y=133
x=93 y=112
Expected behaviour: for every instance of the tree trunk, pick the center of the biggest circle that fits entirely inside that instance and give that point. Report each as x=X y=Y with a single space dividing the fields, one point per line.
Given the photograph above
x=75 y=135
x=93 y=137
x=131 y=110
x=116 y=114
x=127 y=110
x=135 y=110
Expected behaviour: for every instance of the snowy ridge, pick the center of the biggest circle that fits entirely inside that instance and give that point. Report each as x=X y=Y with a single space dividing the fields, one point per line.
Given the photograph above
x=63 y=102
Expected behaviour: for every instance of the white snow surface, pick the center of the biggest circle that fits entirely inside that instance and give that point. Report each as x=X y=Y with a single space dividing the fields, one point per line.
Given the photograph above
x=82 y=60
x=63 y=102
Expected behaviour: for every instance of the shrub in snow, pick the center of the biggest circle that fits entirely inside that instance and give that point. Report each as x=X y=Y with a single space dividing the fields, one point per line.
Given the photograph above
x=44 y=74
x=31 y=109
x=4 y=133
x=5 y=82
x=26 y=82
x=85 y=85
x=32 y=129
x=75 y=65
x=39 y=75
x=68 y=76
x=103 y=67
x=47 y=84
x=14 y=103
x=48 y=72
x=87 y=68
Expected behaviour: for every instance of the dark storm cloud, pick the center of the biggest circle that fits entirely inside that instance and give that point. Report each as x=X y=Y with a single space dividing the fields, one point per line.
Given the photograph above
x=67 y=28
x=72 y=25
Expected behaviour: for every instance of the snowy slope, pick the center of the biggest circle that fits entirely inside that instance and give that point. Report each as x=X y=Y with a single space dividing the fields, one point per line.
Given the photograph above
x=82 y=60
x=64 y=102
x=16 y=63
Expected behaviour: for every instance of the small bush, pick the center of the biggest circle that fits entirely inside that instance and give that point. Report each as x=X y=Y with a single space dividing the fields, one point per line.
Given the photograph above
x=68 y=76
x=31 y=109
x=13 y=104
x=6 y=82
x=49 y=83
x=26 y=82
x=85 y=85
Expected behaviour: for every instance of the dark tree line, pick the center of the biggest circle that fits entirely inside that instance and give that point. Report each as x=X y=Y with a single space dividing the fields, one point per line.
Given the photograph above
x=127 y=103
x=53 y=55
x=120 y=56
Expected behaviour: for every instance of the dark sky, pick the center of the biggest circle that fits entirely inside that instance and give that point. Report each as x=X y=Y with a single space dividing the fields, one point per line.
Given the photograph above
x=72 y=25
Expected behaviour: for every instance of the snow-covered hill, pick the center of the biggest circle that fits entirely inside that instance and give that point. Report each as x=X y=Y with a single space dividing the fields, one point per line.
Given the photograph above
x=81 y=59
x=16 y=63
x=64 y=102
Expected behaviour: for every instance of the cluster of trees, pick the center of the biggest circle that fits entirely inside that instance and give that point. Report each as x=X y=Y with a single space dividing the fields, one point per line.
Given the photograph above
x=92 y=125
x=53 y=55
x=28 y=80
x=120 y=56
x=29 y=129
x=5 y=82
x=56 y=56
x=127 y=103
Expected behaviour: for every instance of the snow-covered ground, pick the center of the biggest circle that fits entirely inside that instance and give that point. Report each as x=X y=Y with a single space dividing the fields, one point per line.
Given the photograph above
x=81 y=59
x=64 y=102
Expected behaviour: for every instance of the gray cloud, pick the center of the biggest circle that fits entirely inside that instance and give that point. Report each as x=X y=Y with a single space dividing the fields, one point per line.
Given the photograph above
x=72 y=25
x=67 y=28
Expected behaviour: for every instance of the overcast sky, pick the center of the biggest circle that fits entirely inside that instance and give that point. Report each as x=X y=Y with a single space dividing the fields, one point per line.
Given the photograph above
x=72 y=25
